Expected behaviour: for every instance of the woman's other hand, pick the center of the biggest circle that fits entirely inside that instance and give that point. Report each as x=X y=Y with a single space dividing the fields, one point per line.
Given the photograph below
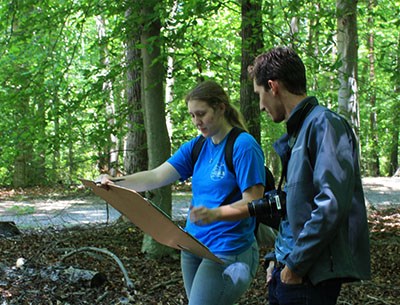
x=201 y=215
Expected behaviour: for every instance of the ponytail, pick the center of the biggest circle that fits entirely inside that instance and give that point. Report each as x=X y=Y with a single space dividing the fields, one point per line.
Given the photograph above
x=235 y=117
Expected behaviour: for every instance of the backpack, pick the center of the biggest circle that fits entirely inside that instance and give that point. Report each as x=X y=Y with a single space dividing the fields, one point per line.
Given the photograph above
x=265 y=228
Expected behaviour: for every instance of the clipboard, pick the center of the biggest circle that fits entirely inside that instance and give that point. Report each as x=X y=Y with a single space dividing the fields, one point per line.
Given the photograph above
x=150 y=219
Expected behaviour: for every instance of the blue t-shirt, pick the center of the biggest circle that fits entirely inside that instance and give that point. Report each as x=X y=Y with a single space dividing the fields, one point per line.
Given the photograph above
x=212 y=182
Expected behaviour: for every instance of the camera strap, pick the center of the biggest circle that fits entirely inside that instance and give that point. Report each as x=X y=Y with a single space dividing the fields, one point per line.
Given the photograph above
x=304 y=112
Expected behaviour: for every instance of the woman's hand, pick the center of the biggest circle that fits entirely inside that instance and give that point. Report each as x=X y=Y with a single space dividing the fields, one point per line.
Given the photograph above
x=201 y=215
x=104 y=181
x=228 y=212
x=269 y=270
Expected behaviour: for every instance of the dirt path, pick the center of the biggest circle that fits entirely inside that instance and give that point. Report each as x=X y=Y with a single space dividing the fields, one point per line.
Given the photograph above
x=40 y=213
x=89 y=209
x=382 y=192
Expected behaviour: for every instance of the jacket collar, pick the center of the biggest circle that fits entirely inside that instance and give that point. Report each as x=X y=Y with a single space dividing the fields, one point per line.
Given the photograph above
x=285 y=143
x=299 y=113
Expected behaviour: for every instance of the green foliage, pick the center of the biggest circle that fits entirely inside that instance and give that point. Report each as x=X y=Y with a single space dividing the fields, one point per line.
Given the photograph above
x=21 y=210
x=59 y=78
x=52 y=58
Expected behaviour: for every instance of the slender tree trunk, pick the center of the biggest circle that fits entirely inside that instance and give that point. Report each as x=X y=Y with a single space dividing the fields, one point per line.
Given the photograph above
x=373 y=161
x=55 y=164
x=135 y=158
x=40 y=156
x=170 y=80
x=159 y=147
x=332 y=78
x=20 y=177
x=394 y=151
x=347 y=51
x=71 y=151
x=23 y=118
x=294 y=29
x=313 y=49
x=109 y=102
x=252 y=43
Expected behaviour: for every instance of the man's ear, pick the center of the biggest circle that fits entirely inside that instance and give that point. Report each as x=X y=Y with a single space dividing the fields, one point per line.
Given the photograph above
x=274 y=85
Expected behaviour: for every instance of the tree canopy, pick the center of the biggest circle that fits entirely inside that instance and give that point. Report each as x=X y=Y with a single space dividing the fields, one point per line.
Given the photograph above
x=63 y=94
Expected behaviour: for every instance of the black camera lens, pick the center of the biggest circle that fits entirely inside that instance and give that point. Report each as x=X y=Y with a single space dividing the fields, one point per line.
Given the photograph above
x=259 y=207
x=273 y=203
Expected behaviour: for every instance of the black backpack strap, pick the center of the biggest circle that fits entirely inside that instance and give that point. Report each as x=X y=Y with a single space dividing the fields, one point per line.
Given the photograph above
x=270 y=180
x=197 y=149
x=233 y=134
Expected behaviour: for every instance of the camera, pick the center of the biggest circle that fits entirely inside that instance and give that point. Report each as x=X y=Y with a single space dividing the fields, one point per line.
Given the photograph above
x=272 y=205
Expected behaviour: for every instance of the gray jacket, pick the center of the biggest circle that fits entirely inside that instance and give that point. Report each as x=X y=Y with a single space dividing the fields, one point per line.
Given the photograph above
x=325 y=200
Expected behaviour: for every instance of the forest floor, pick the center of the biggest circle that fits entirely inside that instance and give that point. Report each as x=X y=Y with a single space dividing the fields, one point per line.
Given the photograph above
x=49 y=258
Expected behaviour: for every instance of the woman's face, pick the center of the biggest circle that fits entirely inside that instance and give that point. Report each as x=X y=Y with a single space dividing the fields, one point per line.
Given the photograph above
x=206 y=119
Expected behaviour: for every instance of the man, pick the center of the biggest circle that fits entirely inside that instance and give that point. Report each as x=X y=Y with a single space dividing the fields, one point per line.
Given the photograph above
x=323 y=240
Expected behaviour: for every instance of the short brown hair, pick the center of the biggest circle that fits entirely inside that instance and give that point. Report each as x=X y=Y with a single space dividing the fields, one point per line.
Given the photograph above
x=283 y=64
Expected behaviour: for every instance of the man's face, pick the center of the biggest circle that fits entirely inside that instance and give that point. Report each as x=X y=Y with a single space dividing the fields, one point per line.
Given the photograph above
x=270 y=102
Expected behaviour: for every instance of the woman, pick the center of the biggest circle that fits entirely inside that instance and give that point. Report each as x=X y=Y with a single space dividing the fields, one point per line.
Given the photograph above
x=226 y=230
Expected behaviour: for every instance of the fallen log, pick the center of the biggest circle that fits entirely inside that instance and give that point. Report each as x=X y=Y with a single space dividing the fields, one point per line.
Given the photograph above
x=54 y=273
x=8 y=229
x=75 y=276
x=128 y=281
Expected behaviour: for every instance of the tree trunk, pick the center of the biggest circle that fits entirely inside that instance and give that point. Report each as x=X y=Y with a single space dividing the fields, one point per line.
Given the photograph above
x=20 y=175
x=109 y=102
x=23 y=118
x=347 y=51
x=252 y=43
x=71 y=151
x=38 y=170
x=394 y=151
x=55 y=163
x=373 y=160
x=159 y=147
x=313 y=48
x=294 y=30
x=135 y=158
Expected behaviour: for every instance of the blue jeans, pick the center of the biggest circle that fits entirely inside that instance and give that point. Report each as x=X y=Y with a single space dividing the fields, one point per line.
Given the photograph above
x=209 y=283
x=324 y=293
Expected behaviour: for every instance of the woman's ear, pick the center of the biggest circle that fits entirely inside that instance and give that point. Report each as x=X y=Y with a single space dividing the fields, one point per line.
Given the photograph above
x=222 y=107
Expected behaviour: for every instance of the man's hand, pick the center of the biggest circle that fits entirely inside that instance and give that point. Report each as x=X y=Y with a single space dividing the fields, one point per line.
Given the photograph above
x=269 y=270
x=202 y=215
x=289 y=277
